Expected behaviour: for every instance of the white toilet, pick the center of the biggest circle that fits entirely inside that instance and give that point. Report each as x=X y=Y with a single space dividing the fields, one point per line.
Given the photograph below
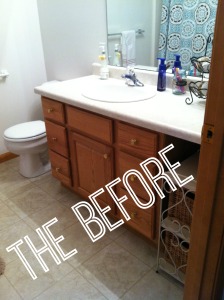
x=29 y=140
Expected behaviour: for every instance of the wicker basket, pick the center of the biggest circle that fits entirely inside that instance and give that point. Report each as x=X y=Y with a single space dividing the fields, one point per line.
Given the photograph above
x=180 y=211
x=179 y=254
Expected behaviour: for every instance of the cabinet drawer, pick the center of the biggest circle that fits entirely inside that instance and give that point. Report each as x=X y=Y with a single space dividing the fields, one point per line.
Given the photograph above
x=138 y=140
x=60 y=168
x=142 y=220
x=127 y=162
x=93 y=125
x=57 y=138
x=53 y=110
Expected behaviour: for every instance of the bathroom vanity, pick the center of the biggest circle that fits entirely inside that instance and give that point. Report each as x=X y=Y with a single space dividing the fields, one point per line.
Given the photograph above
x=93 y=142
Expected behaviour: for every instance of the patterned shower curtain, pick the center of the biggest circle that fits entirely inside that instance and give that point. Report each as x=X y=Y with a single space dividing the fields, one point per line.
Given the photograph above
x=185 y=28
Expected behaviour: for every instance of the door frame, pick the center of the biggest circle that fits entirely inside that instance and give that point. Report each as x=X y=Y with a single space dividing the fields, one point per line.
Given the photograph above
x=207 y=230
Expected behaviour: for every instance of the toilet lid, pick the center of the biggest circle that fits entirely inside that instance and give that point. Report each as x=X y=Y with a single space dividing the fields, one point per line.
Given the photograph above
x=25 y=131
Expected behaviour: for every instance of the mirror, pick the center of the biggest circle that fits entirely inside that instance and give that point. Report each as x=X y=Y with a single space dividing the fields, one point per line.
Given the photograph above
x=162 y=28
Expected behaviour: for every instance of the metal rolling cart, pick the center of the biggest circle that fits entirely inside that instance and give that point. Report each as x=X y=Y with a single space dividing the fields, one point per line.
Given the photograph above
x=175 y=222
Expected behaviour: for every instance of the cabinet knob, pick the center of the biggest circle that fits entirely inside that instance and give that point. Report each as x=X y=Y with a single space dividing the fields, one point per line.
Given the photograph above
x=57 y=170
x=133 y=142
x=105 y=156
x=132 y=178
x=50 y=110
x=133 y=214
x=54 y=139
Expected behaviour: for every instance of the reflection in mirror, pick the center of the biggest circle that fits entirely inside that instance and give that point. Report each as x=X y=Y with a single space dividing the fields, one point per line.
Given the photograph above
x=129 y=15
x=185 y=29
x=167 y=27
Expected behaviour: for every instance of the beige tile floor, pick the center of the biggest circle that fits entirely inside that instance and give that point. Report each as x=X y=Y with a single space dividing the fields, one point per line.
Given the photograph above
x=120 y=265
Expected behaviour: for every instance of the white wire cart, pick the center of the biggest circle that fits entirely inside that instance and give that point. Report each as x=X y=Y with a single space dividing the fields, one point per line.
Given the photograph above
x=175 y=222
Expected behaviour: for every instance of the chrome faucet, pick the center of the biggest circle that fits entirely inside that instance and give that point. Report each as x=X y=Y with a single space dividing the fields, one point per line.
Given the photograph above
x=131 y=79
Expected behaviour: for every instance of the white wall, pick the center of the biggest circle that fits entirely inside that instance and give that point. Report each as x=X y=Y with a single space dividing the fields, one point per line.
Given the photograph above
x=71 y=31
x=68 y=45
x=21 y=54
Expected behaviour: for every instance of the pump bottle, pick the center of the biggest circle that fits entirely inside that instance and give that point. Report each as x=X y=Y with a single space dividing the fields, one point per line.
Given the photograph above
x=117 y=55
x=161 y=83
x=104 y=71
x=177 y=63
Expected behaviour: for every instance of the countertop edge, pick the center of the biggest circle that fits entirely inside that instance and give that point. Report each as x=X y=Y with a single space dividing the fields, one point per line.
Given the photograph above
x=47 y=90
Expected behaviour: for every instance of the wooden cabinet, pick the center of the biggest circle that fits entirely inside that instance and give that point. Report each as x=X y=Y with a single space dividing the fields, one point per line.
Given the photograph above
x=125 y=162
x=60 y=168
x=53 y=110
x=95 y=126
x=88 y=151
x=57 y=138
x=91 y=152
x=54 y=114
x=92 y=166
x=140 y=142
x=134 y=145
x=142 y=220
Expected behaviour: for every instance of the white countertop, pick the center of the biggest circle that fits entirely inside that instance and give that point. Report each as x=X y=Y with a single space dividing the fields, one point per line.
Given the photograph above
x=165 y=112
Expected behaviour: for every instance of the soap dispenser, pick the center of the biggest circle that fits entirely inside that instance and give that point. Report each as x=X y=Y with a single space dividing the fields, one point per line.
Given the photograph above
x=104 y=70
x=177 y=63
x=117 y=56
x=161 y=83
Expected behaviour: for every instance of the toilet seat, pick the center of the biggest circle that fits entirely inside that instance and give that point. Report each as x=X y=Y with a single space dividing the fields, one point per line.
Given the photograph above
x=25 y=131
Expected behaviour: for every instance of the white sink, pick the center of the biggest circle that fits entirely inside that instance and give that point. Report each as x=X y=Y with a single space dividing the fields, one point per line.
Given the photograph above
x=114 y=90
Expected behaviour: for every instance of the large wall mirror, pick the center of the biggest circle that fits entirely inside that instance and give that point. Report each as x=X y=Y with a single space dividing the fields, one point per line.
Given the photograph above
x=162 y=28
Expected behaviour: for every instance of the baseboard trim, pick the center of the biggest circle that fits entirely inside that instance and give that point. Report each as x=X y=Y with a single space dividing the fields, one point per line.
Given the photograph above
x=7 y=156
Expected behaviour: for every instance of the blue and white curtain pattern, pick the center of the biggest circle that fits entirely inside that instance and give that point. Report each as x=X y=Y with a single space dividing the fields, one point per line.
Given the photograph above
x=185 y=27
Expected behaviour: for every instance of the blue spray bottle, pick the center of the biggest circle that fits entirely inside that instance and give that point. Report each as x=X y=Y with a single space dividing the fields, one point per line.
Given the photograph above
x=161 y=83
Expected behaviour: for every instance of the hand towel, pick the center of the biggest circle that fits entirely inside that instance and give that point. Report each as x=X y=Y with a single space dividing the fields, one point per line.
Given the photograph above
x=128 y=47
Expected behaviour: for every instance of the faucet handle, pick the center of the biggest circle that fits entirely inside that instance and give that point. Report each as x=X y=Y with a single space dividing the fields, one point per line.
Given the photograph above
x=130 y=70
x=131 y=78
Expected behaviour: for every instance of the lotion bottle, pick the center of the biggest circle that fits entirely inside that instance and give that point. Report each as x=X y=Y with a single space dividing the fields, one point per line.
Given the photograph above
x=104 y=70
x=117 y=56
x=161 y=83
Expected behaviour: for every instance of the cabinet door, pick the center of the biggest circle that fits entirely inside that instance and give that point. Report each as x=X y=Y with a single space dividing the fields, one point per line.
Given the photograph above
x=127 y=162
x=92 y=165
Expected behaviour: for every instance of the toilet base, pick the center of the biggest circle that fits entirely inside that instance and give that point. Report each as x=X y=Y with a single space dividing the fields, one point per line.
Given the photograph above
x=33 y=165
